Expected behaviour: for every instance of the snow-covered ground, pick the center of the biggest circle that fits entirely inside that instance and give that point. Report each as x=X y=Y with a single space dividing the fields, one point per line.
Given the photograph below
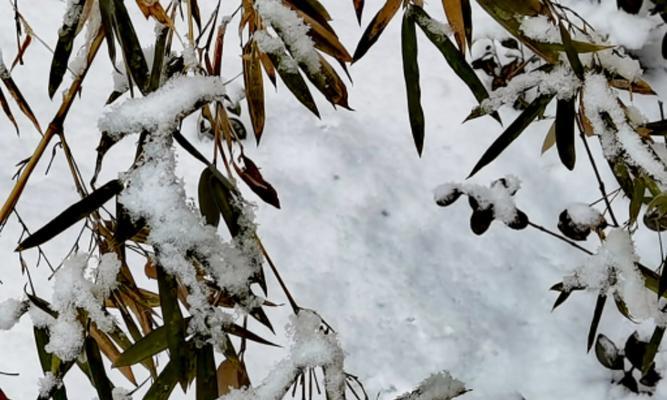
x=410 y=289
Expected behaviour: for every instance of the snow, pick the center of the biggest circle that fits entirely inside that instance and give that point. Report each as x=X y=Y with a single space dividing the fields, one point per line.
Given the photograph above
x=619 y=139
x=93 y=23
x=560 y=82
x=497 y=196
x=4 y=72
x=10 y=312
x=47 y=383
x=292 y=30
x=407 y=287
x=540 y=29
x=584 y=215
x=162 y=108
x=440 y=386
x=118 y=393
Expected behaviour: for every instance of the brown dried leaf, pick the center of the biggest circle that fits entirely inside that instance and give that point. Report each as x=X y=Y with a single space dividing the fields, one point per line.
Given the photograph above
x=254 y=87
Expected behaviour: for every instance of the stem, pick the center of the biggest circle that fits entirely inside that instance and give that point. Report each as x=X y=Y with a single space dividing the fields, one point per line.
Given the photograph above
x=292 y=302
x=560 y=237
x=599 y=179
x=55 y=128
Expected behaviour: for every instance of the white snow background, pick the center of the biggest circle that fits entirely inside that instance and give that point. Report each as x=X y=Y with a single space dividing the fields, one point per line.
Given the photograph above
x=410 y=289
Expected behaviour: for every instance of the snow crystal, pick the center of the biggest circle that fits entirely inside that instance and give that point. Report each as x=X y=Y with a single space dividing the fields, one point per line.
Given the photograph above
x=624 y=66
x=561 y=82
x=10 y=312
x=65 y=336
x=292 y=30
x=539 y=28
x=619 y=139
x=585 y=215
x=162 y=108
x=47 y=383
x=440 y=386
x=39 y=317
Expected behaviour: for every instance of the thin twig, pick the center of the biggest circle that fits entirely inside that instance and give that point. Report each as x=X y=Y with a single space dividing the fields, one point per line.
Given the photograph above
x=560 y=237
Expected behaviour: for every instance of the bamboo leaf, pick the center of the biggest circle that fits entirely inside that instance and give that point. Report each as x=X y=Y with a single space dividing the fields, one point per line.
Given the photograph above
x=173 y=322
x=19 y=98
x=512 y=132
x=207 y=205
x=549 y=139
x=565 y=134
x=254 y=86
x=454 y=10
x=63 y=50
x=207 y=383
x=411 y=75
x=375 y=28
x=130 y=46
x=597 y=314
x=607 y=353
x=570 y=51
x=8 y=111
x=637 y=199
x=454 y=58
x=251 y=175
x=72 y=215
x=165 y=382
x=293 y=80
x=358 y=9
x=98 y=375
x=106 y=16
x=652 y=349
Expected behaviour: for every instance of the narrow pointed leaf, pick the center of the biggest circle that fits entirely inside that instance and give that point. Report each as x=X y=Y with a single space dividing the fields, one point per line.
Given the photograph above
x=63 y=50
x=131 y=47
x=652 y=348
x=565 y=134
x=72 y=214
x=254 y=86
x=375 y=28
x=98 y=375
x=293 y=80
x=207 y=382
x=173 y=322
x=571 y=52
x=597 y=314
x=8 y=111
x=411 y=75
x=207 y=205
x=512 y=132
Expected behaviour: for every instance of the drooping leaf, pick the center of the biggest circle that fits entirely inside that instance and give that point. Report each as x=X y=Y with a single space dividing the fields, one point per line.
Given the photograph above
x=63 y=50
x=106 y=17
x=8 y=111
x=637 y=200
x=151 y=344
x=231 y=374
x=207 y=382
x=207 y=205
x=165 y=383
x=458 y=16
x=411 y=75
x=173 y=322
x=72 y=215
x=98 y=375
x=513 y=131
x=652 y=349
x=130 y=46
x=571 y=52
x=251 y=175
x=254 y=87
x=358 y=9
x=19 y=99
x=376 y=27
x=597 y=314
x=293 y=80
x=454 y=58
x=549 y=139
x=565 y=134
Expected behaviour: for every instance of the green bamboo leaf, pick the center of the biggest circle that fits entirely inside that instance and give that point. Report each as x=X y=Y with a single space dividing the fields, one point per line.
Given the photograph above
x=173 y=322
x=98 y=375
x=106 y=15
x=72 y=214
x=411 y=74
x=150 y=345
x=570 y=51
x=637 y=199
x=652 y=348
x=662 y=284
x=293 y=80
x=207 y=204
x=165 y=382
x=207 y=382
x=565 y=134
x=130 y=46
x=454 y=58
x=513 y=131
x=63 y=50
x=225 y=199
x=597 y=314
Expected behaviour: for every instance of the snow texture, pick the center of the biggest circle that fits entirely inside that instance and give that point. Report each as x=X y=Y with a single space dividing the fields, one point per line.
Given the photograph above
x=440 y=386
x=584 y=215
x=47 y=383
x=10 y=312
x=293 y=31
x=163 y=108
x=540 y=29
